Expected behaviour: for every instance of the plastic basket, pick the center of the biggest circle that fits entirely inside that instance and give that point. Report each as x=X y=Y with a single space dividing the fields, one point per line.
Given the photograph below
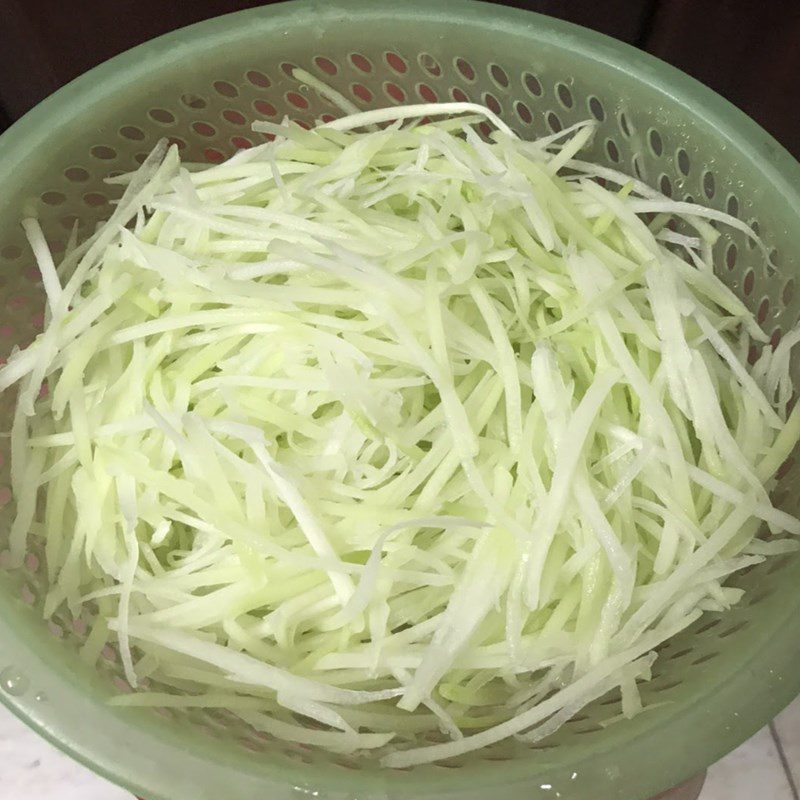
x=202 y=86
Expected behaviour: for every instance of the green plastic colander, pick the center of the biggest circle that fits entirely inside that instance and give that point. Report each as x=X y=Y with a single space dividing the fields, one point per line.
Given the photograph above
x=715 y=684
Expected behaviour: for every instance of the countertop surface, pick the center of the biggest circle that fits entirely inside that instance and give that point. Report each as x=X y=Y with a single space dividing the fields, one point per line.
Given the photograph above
x=765 y=768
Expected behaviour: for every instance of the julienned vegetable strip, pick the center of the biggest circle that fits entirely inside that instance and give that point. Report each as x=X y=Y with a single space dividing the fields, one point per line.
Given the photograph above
x=403 y=432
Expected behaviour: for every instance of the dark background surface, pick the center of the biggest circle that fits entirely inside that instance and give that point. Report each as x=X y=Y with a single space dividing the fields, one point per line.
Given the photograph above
x=747 y=50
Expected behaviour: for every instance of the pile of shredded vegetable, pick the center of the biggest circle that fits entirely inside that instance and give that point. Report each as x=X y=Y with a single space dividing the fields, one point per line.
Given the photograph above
x=379 y=435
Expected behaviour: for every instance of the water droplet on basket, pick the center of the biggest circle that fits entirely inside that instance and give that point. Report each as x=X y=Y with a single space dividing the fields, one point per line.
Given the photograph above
x=40 y=697
x=13 y=681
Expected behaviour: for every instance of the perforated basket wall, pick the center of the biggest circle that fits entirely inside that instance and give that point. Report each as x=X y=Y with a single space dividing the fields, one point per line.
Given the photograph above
x=202 y=88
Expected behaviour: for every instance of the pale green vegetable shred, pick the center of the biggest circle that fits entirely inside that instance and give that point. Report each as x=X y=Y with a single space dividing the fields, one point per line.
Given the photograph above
x=400 y=441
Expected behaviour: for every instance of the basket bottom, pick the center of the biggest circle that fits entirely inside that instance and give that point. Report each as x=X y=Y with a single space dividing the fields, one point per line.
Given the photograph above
x=686 y=791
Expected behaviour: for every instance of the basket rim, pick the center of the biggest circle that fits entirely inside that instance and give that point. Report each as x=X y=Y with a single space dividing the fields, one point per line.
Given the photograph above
x=735 y=706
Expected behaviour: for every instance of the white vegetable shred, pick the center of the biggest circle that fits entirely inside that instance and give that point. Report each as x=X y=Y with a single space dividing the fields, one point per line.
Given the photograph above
x=393 y=438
